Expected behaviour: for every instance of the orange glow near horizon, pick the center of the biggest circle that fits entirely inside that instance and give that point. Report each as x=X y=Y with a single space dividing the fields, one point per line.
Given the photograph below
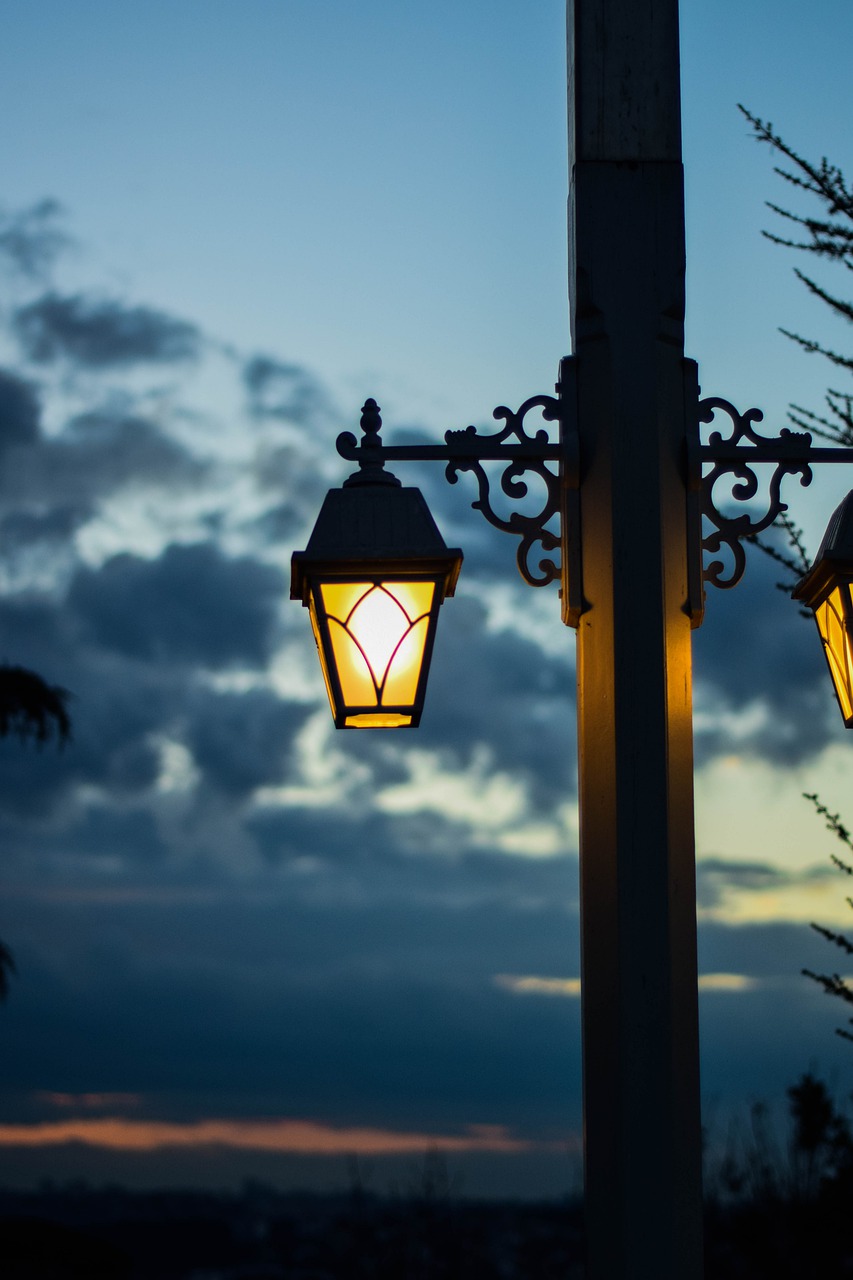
x=296 y=1137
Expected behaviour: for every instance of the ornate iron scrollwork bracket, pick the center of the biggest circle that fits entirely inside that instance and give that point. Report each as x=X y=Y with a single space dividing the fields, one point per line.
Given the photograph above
x=469 y=449
x=549 y=538
x=733 y=459
x=524 y=455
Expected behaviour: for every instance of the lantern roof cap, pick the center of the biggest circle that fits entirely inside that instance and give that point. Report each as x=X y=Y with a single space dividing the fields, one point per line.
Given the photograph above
x=377 y=528
x=368 y=520
x=835 y=551
x=374 y=525
x=837 y=543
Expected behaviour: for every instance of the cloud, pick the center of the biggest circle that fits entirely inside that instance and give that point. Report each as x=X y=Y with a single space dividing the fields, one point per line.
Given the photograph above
x=281 y=391
x=387 y=861
x=740 y=892
x=130 y=639
x=727 y=982
x=52 y=485
x=761 y=682
x=19 y=412
x=714 y=876
x=26 y=528
x=43 y=788
x=763 y=949
x=102 y=333
x=533 y=984
x=498 y=687
x=122 y=449
x=117 y=835
x=118 y=706
x=570 y=988
x=242 y=741
x=237 y=1000
x=91 y=1101
x=190 y=605
x=31 y=240
x=295 y=478
x=240 y=1004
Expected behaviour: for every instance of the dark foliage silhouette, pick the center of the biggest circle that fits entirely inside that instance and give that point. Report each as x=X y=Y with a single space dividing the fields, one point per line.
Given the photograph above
x=827 y=235
x=832 y=983
x=776 y=1206
x=771 y=1212
x=7 y=968
x=31 y=710
x=262 y=1233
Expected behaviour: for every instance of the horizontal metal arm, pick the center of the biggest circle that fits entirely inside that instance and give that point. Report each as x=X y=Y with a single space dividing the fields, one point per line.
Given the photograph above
x=775 y=452
x=458 y=445
x=521 y=454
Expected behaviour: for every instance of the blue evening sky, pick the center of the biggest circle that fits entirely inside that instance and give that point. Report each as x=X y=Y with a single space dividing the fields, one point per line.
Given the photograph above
x=222 y=912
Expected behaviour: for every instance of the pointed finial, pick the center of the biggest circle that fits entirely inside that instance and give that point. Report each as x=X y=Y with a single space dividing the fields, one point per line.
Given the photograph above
x=369 y=452
x=371 y=422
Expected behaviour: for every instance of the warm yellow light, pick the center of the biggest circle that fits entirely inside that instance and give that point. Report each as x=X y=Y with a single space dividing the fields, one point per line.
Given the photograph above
x=377 y=720
x=373 y=576
x=378 y=633
x=832 y=622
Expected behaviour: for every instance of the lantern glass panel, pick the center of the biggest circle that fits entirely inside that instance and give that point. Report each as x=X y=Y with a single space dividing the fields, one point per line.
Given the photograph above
x=340 y=598
x=321 y=649
x=357 y=684
x=401 y=685
x=378 y=624
x=377 y=638
x=833 y=618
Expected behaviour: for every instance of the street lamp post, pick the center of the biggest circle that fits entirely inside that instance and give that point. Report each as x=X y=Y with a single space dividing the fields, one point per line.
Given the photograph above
x=631 y=483
x=642 y=1137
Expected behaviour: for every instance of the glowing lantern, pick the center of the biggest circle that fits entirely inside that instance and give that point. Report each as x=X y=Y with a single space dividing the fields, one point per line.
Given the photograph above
x=374 y=575
x=827 y=589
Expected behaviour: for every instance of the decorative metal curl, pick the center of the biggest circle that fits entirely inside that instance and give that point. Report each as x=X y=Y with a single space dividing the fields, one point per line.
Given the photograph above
x=472 y=448
x=734 y=461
